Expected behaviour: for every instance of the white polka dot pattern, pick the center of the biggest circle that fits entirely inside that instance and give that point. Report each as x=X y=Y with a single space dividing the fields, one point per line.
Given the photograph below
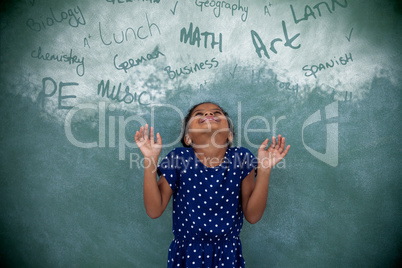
x=207 y=212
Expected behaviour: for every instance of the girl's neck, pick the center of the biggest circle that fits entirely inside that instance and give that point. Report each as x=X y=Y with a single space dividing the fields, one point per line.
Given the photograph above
x=210 y=156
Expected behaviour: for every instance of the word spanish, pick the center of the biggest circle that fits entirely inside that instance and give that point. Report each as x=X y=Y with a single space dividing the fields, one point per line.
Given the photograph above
x=313 y=69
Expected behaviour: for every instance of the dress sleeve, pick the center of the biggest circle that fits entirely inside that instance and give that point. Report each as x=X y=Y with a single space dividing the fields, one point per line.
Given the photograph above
x=249 y=162
x=169 y=167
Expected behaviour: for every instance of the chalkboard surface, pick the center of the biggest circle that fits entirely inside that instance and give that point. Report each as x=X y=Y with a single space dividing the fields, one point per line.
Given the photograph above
x=78 y=78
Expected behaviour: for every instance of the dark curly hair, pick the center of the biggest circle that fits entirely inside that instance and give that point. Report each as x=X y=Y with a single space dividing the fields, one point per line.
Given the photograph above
x=188 y=116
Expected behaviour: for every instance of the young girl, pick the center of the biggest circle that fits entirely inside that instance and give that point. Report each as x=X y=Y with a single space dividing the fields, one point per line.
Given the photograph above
x=213 y=186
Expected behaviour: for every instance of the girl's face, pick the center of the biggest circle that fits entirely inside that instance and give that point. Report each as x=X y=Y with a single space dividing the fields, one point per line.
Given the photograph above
x=208 y=118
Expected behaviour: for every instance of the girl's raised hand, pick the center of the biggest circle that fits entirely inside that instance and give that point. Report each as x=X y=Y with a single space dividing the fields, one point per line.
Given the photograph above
x=268 y=158
x=147 y=144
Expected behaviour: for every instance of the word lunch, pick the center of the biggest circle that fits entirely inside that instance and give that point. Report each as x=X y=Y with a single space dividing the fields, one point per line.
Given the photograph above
x=313 y=69
x=195 y=36
x=125 y=65
x=218 y=5
x=213 y=63
x=259 y=45
x=70 y=58
x=146 y=31
x=74 y=17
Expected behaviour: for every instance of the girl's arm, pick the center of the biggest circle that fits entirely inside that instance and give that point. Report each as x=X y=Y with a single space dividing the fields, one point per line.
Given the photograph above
x=156 y=193
x=255 y=191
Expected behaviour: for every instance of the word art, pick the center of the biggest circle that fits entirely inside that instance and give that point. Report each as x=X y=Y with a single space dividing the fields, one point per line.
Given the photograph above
x=259 y=45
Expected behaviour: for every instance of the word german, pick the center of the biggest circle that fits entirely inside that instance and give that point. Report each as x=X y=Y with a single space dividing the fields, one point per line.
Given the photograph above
x=125 y=65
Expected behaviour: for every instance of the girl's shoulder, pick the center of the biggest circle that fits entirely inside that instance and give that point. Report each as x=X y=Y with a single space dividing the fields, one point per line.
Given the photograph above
x=185 y=152
x=240 y=150
x=180 y=152
x=241 y=155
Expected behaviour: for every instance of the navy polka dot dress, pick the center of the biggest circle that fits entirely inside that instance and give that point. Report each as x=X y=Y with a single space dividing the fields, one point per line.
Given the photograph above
x=207 y=210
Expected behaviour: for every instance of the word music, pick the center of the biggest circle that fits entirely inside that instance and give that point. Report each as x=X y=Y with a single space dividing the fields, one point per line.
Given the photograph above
x=189 y=69
x=313 y=69
x=195 y=36
x=145 y=33
x=259 y=45
x=126 y=97
x=74 y=17
x=308 y=11
x=70 y=58
x=125 y=65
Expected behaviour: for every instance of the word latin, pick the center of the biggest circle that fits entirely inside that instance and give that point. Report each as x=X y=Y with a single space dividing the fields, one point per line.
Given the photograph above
x=131 y=1
x=141 y=33
x=260 y=46
x=74 y=17
x=213 y=63
x=70 y=58
x=308 y=11
x=117 y=95
x=217 y=6
x=195 y=37
x=313 y=69
x=125 y=65
x=61 y=97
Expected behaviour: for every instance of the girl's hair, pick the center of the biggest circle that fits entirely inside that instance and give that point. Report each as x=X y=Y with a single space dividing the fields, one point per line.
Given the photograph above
x=188 y=116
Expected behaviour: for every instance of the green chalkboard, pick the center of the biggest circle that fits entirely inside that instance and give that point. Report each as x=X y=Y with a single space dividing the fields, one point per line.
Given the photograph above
x=78 y=78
